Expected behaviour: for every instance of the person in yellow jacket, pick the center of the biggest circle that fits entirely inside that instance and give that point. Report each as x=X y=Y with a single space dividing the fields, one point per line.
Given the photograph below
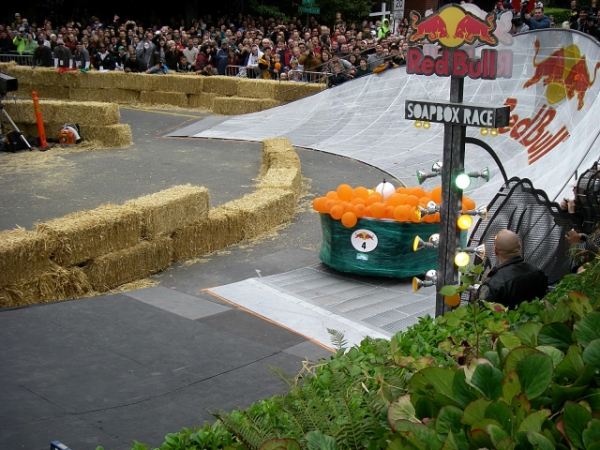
x=19 y=40
x=264 y=64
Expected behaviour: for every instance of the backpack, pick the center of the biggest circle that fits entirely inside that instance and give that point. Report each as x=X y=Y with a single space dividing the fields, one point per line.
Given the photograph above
x=69 y=135
x=13 y=142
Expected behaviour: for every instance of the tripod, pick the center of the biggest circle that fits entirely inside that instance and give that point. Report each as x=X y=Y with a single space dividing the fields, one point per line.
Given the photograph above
x=12 y=124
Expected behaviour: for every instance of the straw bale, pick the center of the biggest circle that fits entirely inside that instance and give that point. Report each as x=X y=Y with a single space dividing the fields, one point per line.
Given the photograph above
x=60 y=112
x=58 y=283
x=23 y=255
x=278 y=153
x=110 y=136
x=48 y=92
x=164 y=98
x=262 y=210
x=45 y=76
x=22 y=73
x=236 y=105
x=202 y=100
x=114 y=95
x=84 y=235
x=222 y=228
x=165 y=211
x=221 y=85
x=265 y=89
x=186 y=83
x=285 y=178
x=129 y=264
x=295 y=91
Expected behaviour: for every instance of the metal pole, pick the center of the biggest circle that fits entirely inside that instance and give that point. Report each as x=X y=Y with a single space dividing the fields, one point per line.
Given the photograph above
x=453 y=164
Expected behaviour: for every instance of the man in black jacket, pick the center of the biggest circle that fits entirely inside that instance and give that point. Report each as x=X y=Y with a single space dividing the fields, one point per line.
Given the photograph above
x=42 y=55
x=513 y=281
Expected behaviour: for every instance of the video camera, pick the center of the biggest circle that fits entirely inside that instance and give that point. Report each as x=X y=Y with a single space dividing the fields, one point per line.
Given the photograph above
x=7 y=84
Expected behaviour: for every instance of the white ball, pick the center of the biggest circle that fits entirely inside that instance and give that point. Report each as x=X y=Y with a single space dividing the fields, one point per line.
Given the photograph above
x=385 y=189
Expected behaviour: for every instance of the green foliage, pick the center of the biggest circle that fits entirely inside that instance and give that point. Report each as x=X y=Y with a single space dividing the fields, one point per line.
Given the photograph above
x=560 y=15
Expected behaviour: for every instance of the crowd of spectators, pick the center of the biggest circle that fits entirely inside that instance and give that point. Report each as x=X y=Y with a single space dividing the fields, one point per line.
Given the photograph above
x=243 y=46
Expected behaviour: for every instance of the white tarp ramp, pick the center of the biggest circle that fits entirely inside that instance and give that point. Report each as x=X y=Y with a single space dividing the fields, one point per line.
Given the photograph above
x=555 y=131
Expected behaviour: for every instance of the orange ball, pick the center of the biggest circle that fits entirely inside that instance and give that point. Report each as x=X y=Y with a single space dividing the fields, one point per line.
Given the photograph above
x=401 y=213
x=423 y=201
x=395 y=199
x=374 y=198
x=403 y=190
x=415 y=216
x=417 y=192
x=337 y=212
x=411 y=200
x=429 y=218
x=467 y=204
x=328 y=205
x=277 y=66
x=319 y=204
x=345 y=192
x=349 y=219
x=436 y=194
x=378 y=210
x=359 y=210
x=349 y=207
x=361 y=192
x=389 y=212
x=332 y=195
x=357 y=201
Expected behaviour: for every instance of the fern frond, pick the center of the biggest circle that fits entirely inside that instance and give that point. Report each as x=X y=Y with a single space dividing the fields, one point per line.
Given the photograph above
x=338 y=340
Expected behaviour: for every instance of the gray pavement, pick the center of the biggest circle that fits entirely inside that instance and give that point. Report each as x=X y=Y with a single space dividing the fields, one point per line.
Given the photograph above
x=138 y=365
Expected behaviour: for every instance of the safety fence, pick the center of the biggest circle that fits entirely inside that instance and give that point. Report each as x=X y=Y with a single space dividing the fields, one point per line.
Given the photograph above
x=21 y=60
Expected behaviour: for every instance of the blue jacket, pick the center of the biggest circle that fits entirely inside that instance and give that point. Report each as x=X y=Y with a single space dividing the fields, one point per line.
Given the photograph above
x=535 y=24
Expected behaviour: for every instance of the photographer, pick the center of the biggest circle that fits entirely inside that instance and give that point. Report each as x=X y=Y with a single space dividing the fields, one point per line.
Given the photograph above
x=538 y=21
x=517 y=25
x=19 y=41
x=159 y=69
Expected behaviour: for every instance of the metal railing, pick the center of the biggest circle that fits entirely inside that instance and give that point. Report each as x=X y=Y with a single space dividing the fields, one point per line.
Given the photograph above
x=21 y=60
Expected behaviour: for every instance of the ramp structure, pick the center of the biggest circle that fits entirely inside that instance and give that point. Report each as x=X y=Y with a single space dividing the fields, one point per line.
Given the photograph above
x=554 y=130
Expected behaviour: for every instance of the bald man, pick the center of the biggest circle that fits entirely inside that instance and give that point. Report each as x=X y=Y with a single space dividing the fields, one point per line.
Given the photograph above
x=514 y=280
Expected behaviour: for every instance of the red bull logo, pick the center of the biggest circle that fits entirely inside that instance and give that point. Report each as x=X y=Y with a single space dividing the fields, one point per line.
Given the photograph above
x=564 y=73
x=453 y=27
x=364 y=236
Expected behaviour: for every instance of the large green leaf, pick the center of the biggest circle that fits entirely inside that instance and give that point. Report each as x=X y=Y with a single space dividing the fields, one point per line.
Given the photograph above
x=496 y=433
x=533 y=422
x=450 y=415
x=591 y=354
x=488 y=380
x=482 y=440
x=556 y=335
x=426 y=408
x=436 y=378
x=511 y=386
x=579 y=304
x=575 y=419
x=562 y=313
x=494 y=358
x=501 y=413
x=319 y=441
x=591 y=433
x=535 y=373
x=561 y=394
x=463 y=393
x=401 y=409
x=443 y=400
x=280 y=444
x=516 y=355
x=588 y=328
x=592 y=397
x=450 y=443
x=528 y=333
x=539 y=441
x=475 y=411
x=521 y=407
x=571 y=366
x=419 y=434
x=509 y=340
x=401 y=444
x=593 y=446
x=554 y=353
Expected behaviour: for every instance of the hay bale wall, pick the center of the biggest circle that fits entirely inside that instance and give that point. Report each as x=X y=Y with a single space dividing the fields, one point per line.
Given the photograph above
x=183 y=90
x=119 y=244
x=85 y=235
x=166 y=211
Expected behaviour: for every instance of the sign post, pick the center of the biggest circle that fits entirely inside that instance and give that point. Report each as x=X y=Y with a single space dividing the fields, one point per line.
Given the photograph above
x=309 y=8
x=455 y=115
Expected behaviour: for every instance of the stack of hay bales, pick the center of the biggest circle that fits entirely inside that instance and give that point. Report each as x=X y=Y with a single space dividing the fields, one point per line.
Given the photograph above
x=98 y=122
x=222 y=95
x=96 y=250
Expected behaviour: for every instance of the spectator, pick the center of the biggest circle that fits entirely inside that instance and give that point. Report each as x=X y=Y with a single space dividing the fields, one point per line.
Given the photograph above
x=574 y=12
x=514 y=280
x=517 y=25
x=377 y=58
x=190 y=52
x=134 y=65
x=338 y=76
x=159 y=68
x=81 y=57
x=221 y=57
x=102 y=59
x=593 y=27
x=538 y=21
x=363 y=68
x=42 y=55
x=295 y=73
x=144 y=50
x=62 y=55
x=30 y=45
x=265 y=63
x=5 y=42
x=183 y=66
x=172 y=55
x=204 y=63
x=581 y=23
x=19 y=40
x=252 y=63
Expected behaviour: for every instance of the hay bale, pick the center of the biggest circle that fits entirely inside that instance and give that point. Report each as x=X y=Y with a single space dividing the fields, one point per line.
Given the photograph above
x=203 y=100
x=85 y=235
x=115 y=95
x=262 y=210
x=285 y=178
x=48 y=92
x=58 y=283
x=45 y=76
x=21 y=73
x=232 y=106
x=278 y=153
x=23 y=255
x=165 y=211
x=265 y=89
x=130 y=264
x=296 y=91
x=164 y=98
x=110 y=136
x=222 y=228
x=221 y=85
x=60 y=112
x=186 y=83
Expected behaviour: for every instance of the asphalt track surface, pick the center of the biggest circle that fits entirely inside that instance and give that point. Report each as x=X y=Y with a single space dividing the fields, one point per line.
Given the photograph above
x=141 y=364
